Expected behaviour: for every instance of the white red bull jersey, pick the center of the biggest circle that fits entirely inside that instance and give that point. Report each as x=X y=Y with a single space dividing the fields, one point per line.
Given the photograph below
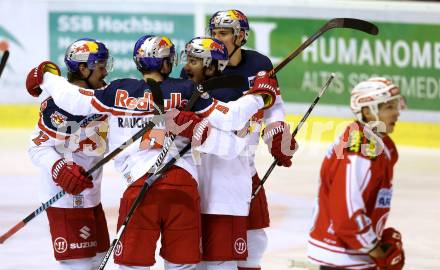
x=252 y=62
x=225 y=184
x=354 y=199
x=129 y=105
x=80 y=139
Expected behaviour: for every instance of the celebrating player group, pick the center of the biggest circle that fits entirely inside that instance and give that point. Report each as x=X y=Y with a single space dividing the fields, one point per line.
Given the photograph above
x=198 y=201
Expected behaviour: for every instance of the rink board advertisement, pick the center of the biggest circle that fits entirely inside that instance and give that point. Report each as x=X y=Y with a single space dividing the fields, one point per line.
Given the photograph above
x=412 y=60
x=409 y=53
x=119 y=31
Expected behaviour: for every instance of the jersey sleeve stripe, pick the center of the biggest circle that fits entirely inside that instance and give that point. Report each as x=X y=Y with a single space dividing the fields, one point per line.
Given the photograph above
x=208 y=110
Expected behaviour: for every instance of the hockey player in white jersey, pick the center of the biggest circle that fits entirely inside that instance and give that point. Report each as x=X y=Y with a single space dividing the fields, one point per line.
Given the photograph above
x=63 y=146
x=232 y=28
x=224 y=186
x=171 y=207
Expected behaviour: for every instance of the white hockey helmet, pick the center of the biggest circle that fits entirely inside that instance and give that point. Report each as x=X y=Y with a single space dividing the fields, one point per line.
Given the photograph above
x=371 y=93
x=232 y=18
x=208 y=49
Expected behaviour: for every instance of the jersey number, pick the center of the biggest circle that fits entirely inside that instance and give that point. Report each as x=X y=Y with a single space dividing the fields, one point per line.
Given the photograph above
x=152 y=139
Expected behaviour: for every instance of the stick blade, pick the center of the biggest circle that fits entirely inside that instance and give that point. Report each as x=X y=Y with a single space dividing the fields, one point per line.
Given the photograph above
x=12 y=231
x=361 y=25
x=225 y=81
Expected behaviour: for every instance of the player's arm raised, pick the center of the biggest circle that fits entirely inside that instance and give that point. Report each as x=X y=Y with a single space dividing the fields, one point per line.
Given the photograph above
x=68 y=96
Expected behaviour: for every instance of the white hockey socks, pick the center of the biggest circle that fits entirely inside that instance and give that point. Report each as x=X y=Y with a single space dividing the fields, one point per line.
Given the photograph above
x=257 y=244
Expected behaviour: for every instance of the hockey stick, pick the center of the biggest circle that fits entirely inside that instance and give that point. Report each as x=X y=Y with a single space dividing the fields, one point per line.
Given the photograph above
x=335 y=23
x=156 y=171
x=229 y=81
x=3 y=61
x=157 y=97
x=350 y=23
x=298 y=127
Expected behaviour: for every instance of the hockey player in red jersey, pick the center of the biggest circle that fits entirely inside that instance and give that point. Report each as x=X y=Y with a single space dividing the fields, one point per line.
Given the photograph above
x=356 y=186
x=232 y=28
x=171 y=206
x=77 y=223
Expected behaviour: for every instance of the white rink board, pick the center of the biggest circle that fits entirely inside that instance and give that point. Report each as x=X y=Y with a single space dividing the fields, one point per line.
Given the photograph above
x=415 y=208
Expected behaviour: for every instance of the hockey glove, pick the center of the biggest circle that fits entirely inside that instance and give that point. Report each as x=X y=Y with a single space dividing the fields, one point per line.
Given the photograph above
x=280 y=142
x=70 y=177
x=35 y=77
x=188 y=125
x=265 y=86
x=391 y=245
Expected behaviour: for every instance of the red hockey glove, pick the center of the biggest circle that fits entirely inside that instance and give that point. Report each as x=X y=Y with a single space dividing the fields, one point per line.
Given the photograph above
x=266 y=87
x=70 y=177
x=35 y=77
x=280 y=142
x=391 y=244
x=188 y=125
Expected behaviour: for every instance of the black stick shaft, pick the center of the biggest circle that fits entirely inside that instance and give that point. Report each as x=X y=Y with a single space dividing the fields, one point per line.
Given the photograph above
x=3 y=61
x=298 y=127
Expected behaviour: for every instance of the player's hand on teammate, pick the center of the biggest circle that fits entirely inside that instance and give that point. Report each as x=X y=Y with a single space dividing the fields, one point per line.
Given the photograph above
x=71 y=177
x=265 y=86
x=282 y=145
x=35 y=76
x=392 y=256
x=187 y=124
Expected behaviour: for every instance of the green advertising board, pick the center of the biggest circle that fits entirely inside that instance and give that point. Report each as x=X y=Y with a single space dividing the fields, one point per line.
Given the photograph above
x=119 y=31
x=409 y=54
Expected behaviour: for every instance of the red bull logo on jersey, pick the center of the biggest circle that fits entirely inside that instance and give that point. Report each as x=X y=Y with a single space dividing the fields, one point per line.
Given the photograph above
x=145 y=103
x=57 y=119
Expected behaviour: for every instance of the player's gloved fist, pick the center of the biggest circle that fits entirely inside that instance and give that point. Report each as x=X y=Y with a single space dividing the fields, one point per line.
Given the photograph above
x=35 y=76
x=282 y=145
x=265 y=86
x=391 y=245
x=70 y=177
x=187 y=124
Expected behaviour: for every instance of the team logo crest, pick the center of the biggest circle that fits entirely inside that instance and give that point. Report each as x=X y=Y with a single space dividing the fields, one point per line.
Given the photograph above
x=58 y=120
x=240 y=246
x=78 y=201
x=60 y=245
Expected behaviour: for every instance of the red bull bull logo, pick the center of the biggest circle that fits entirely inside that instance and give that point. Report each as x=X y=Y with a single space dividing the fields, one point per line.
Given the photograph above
x=212 y=45
x=86 y=47
x=165 y=43
x=236 y=15
x=217 y=46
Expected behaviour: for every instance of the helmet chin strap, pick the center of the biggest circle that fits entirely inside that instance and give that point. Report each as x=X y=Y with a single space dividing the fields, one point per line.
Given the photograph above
x=235 y=47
